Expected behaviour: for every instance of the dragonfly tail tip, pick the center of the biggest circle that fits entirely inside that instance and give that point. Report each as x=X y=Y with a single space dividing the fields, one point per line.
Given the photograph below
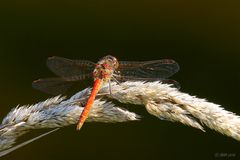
x=79 y=126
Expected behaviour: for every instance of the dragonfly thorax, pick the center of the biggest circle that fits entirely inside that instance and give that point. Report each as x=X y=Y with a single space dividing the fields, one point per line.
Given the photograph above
x=105 y=68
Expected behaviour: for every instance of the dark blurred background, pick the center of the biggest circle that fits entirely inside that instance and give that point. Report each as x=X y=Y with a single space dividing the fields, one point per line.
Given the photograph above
x=203 y=36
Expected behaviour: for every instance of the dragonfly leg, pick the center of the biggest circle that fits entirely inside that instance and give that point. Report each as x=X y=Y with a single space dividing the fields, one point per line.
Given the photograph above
x=116 y=81
x=110 y=88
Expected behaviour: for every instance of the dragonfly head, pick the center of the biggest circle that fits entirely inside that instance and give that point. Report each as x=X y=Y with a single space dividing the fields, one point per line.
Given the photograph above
x=105 y=68
x=111 y=61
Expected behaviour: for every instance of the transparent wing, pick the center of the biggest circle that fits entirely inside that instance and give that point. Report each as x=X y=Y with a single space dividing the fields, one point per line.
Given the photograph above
x=64 y=67
x=166 y=81
x=53 y=86
x=163 y=68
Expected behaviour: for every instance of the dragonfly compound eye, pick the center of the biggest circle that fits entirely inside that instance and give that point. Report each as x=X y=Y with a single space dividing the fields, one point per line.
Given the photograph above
x=112 y=61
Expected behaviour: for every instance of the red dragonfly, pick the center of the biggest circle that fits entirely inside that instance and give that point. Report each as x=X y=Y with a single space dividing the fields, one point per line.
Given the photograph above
x=103 y=71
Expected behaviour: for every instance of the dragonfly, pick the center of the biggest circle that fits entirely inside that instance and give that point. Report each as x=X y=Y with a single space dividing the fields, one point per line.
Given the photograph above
x=106 y=69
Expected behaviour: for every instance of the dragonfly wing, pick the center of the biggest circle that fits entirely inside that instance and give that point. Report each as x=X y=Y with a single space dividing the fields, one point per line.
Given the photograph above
x=53 y=86
x=64 y=67
x=174 y=83
x=166 y=81
x=163 y=68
